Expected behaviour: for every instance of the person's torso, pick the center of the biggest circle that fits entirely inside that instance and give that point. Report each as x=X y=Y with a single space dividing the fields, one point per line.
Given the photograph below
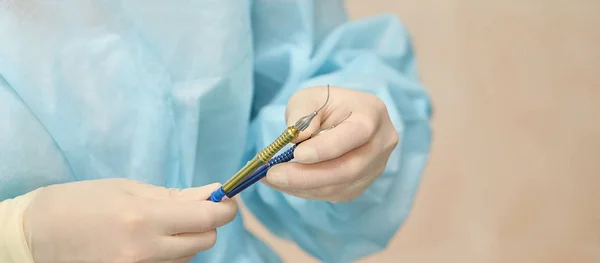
x=153 y=91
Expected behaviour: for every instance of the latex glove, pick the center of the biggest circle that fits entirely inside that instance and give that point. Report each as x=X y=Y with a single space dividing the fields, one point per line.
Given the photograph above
x=340 y=164
x=119 y=220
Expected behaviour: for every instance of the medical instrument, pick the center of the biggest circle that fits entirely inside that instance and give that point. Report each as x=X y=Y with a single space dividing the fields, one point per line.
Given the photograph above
x=265 y=155
x=258 y=174
x=261 y=172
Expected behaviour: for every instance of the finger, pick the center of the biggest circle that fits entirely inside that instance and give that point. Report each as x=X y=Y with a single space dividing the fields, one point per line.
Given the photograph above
x=178 y=217
x=196 y=193
x=322 y=193
x=333 y=193
x=304 y=103
x=356 y=131
x=345 y=169
x=183 y=245
x=162 y=193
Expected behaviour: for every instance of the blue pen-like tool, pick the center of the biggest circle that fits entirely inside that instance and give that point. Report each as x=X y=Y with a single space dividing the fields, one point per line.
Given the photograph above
x=263 y=157
x=261 y=171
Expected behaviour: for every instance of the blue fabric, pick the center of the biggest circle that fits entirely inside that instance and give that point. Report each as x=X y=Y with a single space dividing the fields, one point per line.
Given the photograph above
x=180 y=93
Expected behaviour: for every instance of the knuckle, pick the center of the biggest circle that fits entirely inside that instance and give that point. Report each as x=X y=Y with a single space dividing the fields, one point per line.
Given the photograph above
x=133 y=221
x=378 y=104
x=380 y=109
x=367 y=128
x=394 y=139
x=388 y=144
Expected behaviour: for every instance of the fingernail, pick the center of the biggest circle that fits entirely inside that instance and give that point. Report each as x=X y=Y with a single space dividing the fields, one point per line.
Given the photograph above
x=277 y=177
x=306 y=155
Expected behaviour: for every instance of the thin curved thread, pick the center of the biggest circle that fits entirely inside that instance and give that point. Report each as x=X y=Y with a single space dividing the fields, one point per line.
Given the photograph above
x=340 y=122
x=326 y=100
x=332 y=126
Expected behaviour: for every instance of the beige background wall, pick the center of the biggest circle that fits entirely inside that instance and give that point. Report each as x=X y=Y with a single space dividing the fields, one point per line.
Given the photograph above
x=515 y=169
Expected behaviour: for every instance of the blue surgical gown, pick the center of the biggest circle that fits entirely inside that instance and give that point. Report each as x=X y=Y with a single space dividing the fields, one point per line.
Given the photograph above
x=182 y=93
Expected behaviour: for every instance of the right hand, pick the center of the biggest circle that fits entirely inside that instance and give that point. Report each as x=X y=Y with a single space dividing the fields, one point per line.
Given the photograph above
x=119 y=220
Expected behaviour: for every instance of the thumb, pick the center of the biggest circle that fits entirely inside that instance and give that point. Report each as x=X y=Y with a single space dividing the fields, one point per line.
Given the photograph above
x=304 y=103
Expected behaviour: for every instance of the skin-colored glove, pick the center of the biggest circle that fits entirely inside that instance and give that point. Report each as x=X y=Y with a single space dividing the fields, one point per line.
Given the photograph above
x=341 y=163
x=119 y=220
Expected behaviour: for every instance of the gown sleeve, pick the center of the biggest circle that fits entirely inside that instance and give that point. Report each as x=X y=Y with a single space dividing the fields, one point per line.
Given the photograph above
x=303 y=43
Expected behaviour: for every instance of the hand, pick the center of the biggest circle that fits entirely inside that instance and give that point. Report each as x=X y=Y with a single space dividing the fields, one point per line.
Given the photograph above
x=340 y=164
x=119 y=220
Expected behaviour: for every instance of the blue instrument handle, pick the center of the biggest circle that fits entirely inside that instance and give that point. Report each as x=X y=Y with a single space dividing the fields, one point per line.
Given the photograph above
x=260 y=173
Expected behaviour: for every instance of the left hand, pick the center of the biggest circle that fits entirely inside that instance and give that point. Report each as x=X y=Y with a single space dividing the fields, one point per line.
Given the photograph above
x=339 y=164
